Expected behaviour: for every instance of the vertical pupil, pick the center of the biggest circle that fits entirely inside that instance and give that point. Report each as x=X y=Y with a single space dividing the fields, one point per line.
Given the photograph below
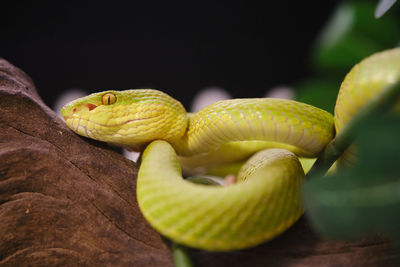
x=109 y=100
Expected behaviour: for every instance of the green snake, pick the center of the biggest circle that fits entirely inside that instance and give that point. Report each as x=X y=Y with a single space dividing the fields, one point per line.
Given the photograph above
x=266 y=200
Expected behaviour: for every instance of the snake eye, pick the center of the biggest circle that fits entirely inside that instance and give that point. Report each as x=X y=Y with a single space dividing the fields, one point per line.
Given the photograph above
x=108 y=99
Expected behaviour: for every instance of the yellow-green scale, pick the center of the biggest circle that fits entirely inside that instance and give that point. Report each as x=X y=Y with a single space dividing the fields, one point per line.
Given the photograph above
x=215 y=218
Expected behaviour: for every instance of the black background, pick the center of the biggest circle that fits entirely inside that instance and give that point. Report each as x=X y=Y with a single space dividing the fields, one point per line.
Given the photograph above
x=178 y=47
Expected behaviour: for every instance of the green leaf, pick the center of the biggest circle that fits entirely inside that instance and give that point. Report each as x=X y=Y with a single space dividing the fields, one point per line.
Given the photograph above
x=353 y=33
x=364 y=199
x=383 y=6
x=318 y=92
x=181 y=256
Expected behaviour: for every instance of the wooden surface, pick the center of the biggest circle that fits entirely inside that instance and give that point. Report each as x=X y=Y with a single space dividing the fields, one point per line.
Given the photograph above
x=66 y=200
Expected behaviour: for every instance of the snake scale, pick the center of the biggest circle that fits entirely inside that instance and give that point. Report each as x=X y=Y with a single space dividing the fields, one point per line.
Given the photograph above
x=266 y=200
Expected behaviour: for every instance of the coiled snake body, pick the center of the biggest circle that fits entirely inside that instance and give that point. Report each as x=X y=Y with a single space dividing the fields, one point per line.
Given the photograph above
x=266 y=200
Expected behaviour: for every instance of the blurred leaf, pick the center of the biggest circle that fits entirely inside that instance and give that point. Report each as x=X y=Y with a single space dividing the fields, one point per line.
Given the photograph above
x=181 y=256
x=366 y=198
x=318 y=92
x=383 y=6
x=350 y=35
x=353 y=33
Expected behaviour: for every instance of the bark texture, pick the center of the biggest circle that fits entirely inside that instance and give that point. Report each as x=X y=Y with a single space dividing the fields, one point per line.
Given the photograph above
x=67 y=200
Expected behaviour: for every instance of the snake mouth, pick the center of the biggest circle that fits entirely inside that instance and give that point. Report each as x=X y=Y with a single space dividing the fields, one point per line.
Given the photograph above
x=66 y=118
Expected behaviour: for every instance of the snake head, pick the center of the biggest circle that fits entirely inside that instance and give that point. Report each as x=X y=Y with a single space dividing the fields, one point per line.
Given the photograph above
x=130 y=118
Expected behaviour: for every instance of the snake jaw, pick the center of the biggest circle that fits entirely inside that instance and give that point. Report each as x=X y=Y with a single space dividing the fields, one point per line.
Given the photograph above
x=77 y=115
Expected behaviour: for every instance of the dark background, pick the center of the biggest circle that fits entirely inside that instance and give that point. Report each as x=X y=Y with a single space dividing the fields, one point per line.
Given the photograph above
x=246 y=47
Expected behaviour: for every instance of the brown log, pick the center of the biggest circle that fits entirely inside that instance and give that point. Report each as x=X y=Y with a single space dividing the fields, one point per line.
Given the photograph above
x=70 y=201
x=64 y=200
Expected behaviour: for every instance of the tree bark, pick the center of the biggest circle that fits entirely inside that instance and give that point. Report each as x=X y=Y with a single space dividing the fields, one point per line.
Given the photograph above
x=68 y=200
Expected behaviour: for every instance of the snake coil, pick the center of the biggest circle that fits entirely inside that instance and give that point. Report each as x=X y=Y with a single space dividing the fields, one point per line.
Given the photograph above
x=266 y=200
